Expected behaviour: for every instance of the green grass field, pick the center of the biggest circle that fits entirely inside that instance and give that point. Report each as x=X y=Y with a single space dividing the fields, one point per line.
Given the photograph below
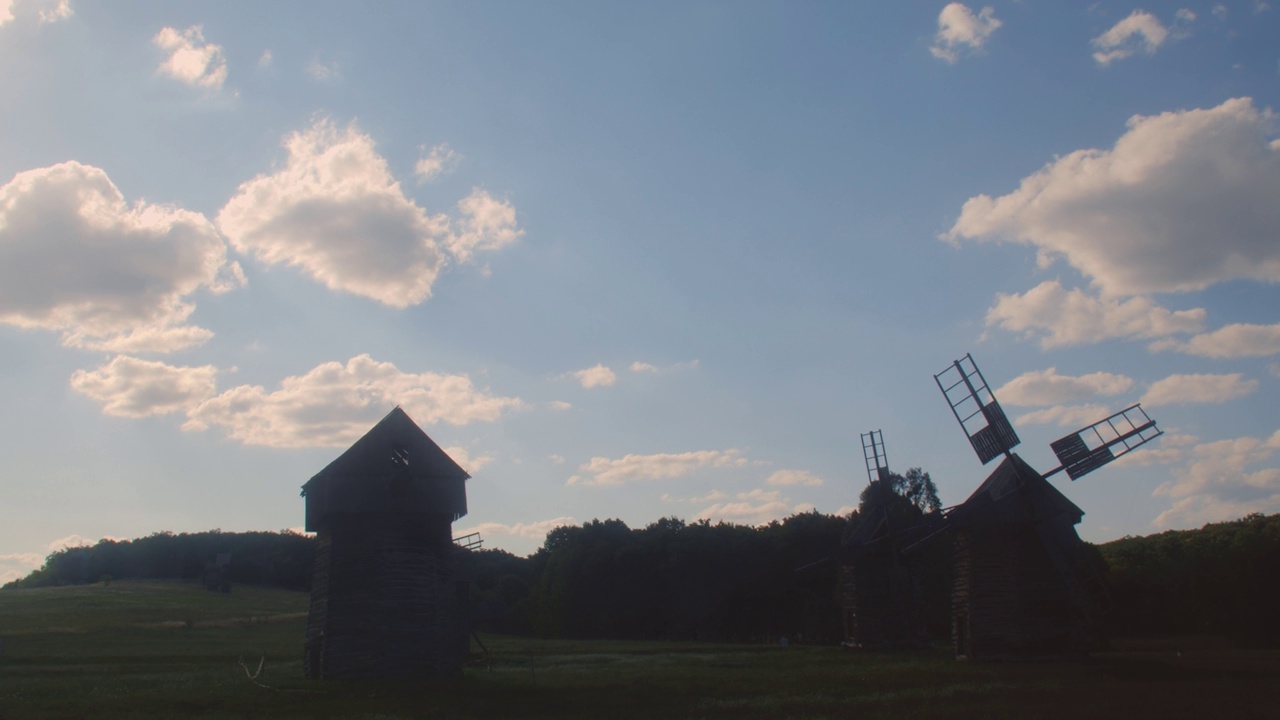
x=170 y=650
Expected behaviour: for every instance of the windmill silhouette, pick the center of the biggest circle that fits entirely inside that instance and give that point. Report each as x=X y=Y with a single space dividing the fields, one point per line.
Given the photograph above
x=1023 y=582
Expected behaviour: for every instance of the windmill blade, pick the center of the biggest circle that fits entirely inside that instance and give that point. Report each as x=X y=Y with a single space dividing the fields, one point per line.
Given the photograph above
x=1093 y=446
x=980 y=416
x=874 y=455
x=470 y=541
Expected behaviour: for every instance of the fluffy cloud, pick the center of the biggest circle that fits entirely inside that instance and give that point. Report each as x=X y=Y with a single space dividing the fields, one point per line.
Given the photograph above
x=48 y=11
x=1206 y=388
x=324 y=72
x=536 y=530
x=1233 y=341
x=1061 y=317
x=757 y=507
x=14 y=566
x=334 y=404
x=1139 y=218
x=1064 y=415
x=793 y=477
x=605 y=471
x=1141 y=31
x=74 y=257
x=437 y=161
x=643 y=367
x=484 y=224
x=1223 y=481
x=463 y=457
x=133 y=388
x=190 y=59
x=335 y=212
x=598 y=376
x=1047 y=387
x=560 y=405
x=960 y=30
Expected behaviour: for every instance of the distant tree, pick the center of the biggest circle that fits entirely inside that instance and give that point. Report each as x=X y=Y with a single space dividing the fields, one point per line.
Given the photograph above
x=914 y=487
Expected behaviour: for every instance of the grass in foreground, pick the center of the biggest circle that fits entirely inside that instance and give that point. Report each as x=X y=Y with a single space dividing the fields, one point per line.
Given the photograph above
x=164 y=650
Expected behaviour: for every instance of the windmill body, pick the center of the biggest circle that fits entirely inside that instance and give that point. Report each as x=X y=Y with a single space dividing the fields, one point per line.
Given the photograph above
x=385 y=598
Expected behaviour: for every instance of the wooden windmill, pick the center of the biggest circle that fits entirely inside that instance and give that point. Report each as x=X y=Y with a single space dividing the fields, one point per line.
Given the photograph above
x=880 y=590
x=386 y=601
x=1021 y=583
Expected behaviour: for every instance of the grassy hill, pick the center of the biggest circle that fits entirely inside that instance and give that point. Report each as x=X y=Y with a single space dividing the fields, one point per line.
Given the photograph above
x=168 y=649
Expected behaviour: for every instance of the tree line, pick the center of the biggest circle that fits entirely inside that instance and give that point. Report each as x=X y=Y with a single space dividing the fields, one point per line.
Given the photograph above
x=680 y=580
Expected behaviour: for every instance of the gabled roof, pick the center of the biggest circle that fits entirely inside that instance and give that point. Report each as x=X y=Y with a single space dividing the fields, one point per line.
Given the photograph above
x=1016 y=492
x=395 y=467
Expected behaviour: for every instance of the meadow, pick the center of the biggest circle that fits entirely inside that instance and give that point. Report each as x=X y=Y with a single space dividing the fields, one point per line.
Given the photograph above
x=138 y=649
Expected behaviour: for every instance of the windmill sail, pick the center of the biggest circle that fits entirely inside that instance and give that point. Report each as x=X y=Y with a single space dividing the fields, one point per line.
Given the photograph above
x=976 y=409
x=873 y=453
x=1093 y=446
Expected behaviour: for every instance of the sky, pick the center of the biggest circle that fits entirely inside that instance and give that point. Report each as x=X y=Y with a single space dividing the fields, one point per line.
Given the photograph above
x=628 y=260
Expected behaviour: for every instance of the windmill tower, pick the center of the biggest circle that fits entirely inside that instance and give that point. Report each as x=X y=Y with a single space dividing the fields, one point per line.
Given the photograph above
x=879 y=590
x=385 y=598
x=1021 y=584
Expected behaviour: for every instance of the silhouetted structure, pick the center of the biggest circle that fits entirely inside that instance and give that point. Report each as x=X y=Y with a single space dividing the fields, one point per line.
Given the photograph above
x=1022 y=583
x=385 y=601
x=1019 y=578
x=880 y=590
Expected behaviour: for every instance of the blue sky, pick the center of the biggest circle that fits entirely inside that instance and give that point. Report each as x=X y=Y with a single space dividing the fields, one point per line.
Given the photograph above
x=627 y=260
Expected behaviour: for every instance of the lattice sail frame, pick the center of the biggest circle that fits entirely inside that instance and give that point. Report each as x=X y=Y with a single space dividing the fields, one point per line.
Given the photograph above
x=976 y=409
x=874 y=455
x=1093 y=446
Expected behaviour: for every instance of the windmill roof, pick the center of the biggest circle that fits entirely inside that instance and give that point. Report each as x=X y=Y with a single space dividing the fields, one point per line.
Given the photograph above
x=393 y=467
x=1014 y=492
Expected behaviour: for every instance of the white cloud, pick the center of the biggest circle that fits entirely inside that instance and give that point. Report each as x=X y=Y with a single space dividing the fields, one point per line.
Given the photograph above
x=598 y=376
x=323 y=71
x=334 y=404
x=960 y=30
x=643 y=367
x=536 y=530
x=1172 y=447
x=793 y=477
x=54 y=10
x=1184 y=200
x=605 y=471
x=757 y=507
x=336 y=212
x=1047 y=387
x=1204 y=388
x=463 y=457
x=1232 y=341
x=1064 y=415
x=71 y=541
x=74 y=257
x=46 y=11
x=560 y=405
x=265 y=59
x=1140 y=31
x=1224 y=481
x=133 y=388
x=557 y=459
x=437 y=161
x=1061 y=317
x=484 y=224
x=14 y=566
x=190 y=59
x=845 y=510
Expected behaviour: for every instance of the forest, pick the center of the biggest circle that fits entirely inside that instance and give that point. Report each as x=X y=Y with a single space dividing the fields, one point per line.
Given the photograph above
x=678 y=580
